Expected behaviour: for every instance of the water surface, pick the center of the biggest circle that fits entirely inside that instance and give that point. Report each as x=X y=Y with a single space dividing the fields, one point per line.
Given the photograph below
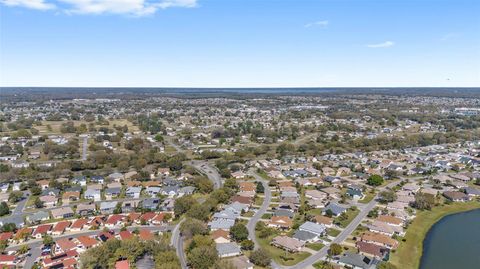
x=453 y=242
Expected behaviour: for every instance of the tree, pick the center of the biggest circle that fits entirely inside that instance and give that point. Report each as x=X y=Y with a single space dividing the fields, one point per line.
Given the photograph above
x=247 y=245
x=238 y=232
x=15 y=196
x=183 y=204
x=423 y=201
x=191 y=227
x=335 y=249
x=375 y=180
x=199 y=241
x=47 y=240
x=260 y=188
x=387 y=196
x=23 y=249
x=4 y=209
x=38 y=203
x=203 y=257
x=9 y=227
x=159 y=138
x=260 y=257
x=199 y=211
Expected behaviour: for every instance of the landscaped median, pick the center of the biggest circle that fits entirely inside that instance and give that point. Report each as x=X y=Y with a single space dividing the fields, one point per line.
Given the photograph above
x=408 y=254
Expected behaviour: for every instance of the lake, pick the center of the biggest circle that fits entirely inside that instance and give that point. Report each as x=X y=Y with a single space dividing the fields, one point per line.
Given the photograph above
x=453 y=242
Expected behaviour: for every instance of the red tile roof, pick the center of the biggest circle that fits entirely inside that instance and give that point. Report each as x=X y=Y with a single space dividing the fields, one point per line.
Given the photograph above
x=61 y=226
x=6 y=235
x=122 y=265
x=42 y=229
x=125 y=235
x=87 y=241
x=79 y=223
x=145 y=234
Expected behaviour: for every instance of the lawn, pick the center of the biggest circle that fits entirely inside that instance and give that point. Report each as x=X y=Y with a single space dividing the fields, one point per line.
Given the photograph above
x=315 y=246
x=368 y=197
x=281 y=256
x=333 y=232
x=259 y=201
x=249 y=214
x=408 y=254
x=267 y=216
x=350 y=215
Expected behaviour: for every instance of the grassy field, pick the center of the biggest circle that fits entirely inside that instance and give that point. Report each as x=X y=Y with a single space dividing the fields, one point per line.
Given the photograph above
x=315 y=246
x=333 y=232
x=408 y=254
x=281 y=256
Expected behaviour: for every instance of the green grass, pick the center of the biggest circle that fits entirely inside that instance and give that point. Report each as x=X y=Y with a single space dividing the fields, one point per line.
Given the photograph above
x=368 y=197
x=249 y=214
x=259 y=201
x=408 y=254
x=351 y=214
x=315 y=246
x=333 y=232
x=320 y=265
x=267 y=216
x=281 y=256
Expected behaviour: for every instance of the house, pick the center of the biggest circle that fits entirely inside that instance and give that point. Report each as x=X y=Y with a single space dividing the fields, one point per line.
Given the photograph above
x=288 y=243
x=108 y=207
x=93 y=194
x=335 y=209
x=78 y=225
x=64 y=245
x=305 y=236
x=123 y=235
x=326 y=221
x=70 y=196
x=86 y=209
x=314 y=228
x=371 y=250
x=238 y=175
x=390 y=220
x=472 y=192
x=86 y=242
x=355 y=194
x=129 y=205
x=80 y=180
x=150 y=203
x=241 y=262
x=42 y=230
x=116 y=177
x=63 y=212
x=284 y=212
x=217 y=224
x=456 y=196
x=144 y=234
x=97 y=179
x=133 y=192
x=60 y=227
x=111 y=193
x=48 y=200
x=220 y=236
x=315 y=195
x=153 y=191
x=114 y=221
x=228 y=249
x=281 y=222
x=357 y=261
x=187 y=190
x=379 y=239
x=4 y=187
x=8 y=261
x=37 y=217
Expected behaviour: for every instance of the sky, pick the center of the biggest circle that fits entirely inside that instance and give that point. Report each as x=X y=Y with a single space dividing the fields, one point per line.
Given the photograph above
x=240 y=43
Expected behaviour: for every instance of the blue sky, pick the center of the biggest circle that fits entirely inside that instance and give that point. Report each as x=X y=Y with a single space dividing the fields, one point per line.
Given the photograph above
x=240 y=43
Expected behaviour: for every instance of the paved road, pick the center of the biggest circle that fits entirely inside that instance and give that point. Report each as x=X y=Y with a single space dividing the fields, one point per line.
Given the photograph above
x=258 y=215
x=21 y=205
x=84 y=148
x=177 y=242
x=36 y=245
x=209 y=170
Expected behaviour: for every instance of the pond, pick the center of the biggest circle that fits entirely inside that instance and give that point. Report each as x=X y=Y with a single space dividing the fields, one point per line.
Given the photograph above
x=453 y=242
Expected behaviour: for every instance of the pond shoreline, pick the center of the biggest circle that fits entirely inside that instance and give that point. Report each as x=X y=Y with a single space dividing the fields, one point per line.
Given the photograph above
x=409 y=253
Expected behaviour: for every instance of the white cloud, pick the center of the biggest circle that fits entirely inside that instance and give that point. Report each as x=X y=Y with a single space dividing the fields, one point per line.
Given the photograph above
x=33 y=4
x=126 y=7
x=321 y=24
x=385 y=44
